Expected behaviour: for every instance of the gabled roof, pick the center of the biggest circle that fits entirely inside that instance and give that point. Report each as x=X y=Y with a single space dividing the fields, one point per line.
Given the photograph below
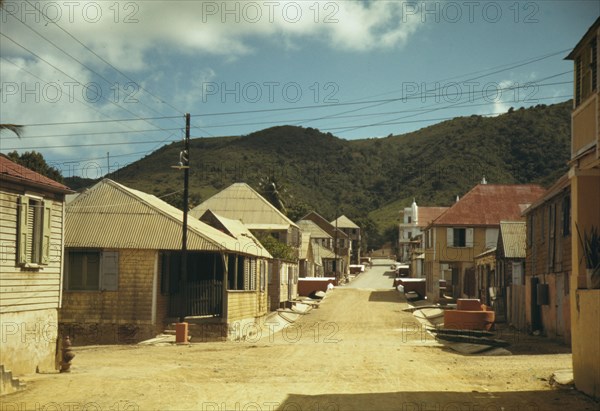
x=309 y=226
x=583 y=39
x=488 y=204
x=513 y=236
x=428 y=214
x=11 y=171
x=325 y=225
x=110 y=215
x=321 y=252
x=305 y=246
x=343 y=222
x=563 y=183
x=240 y=202
x=234 y=228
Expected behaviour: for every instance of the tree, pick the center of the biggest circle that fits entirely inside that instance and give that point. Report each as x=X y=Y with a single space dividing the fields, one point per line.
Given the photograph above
x=35 y=161
x=274 y=192
x=15 y=128
x=276 y=248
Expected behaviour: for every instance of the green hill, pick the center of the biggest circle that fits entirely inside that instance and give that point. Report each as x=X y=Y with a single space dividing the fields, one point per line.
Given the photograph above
x=373 y=177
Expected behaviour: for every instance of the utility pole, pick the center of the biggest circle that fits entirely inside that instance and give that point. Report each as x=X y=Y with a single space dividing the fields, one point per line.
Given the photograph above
x=107 y=163
x=184 y=163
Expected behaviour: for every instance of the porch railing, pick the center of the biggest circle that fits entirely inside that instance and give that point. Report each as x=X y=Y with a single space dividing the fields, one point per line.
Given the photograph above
x=204 y=298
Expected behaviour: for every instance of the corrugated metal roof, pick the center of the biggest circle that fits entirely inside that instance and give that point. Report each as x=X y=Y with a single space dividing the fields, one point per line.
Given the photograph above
x=238 y=230
x=513 y=235
x=309 y=226
x=325 y=225
x=344 y=222
x=239 y=201
x=9 y=170
x=488 y=204
x=321 y=252
x=110 y=215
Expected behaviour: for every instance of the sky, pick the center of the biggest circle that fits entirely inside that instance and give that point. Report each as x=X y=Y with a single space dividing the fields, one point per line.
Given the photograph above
x=104 y=83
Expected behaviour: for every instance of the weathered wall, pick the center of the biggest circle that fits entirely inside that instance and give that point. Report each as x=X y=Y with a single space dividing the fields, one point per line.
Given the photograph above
x=28 y=341
x=29 y=297
x=125 y=315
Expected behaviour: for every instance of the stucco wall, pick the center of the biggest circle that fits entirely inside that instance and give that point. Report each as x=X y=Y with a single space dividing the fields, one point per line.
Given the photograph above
x=28 y=341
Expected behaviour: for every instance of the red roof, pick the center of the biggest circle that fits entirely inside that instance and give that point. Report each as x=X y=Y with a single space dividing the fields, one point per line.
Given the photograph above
x=9 y=170
x=488 y=204
x=428 y=214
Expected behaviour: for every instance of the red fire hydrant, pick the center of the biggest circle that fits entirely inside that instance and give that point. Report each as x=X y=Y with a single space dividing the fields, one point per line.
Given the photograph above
x=67 y=355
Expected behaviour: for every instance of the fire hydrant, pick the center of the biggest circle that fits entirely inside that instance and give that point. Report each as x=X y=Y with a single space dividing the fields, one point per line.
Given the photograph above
x=67 y=355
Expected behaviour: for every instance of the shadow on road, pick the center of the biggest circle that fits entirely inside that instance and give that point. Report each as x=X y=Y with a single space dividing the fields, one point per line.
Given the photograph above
x=424 y=400
x=391 y=296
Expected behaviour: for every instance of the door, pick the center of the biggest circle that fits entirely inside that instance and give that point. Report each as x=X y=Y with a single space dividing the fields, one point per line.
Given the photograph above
x=560 y=291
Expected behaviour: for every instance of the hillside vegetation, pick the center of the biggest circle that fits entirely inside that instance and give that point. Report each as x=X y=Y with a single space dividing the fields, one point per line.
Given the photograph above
x=372 y=177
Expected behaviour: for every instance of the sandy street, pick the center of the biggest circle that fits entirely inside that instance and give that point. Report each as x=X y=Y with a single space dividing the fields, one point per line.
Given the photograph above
x=357 y=351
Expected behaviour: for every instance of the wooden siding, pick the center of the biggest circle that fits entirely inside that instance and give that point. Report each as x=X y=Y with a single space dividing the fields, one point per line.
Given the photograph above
x=584 y=129
x=21 y=288
x=131 y=303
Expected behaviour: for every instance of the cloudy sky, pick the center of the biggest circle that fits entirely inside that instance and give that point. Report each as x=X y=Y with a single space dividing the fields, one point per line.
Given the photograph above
x=88 y=78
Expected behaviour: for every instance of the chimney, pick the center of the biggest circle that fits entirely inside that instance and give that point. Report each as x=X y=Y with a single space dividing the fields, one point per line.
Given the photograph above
x=483 y=180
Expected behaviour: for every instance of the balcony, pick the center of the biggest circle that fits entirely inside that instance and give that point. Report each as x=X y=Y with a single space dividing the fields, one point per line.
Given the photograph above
x=584 y=134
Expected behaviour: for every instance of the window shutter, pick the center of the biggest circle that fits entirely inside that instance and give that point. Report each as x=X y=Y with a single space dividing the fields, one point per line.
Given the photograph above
x=22 y=230
x=449 y=237
x=109 y=278
x=46 y=231
x=469 y=237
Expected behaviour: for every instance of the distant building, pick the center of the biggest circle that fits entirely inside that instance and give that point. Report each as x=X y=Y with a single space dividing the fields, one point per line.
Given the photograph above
x=241 y=202
x=340 y=248
x=584 y=174
x=353 y=232
x=413 y=220
x=466 y=230
x=510 y=268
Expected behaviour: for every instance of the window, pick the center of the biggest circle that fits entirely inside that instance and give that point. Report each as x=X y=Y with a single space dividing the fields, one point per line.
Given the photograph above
x=530 y=230
x=263 y=274
x=34 y=228
x=241 y=273
x=551 y=234
x=594 y=63
x=92 y=270
x=543 y=225
x=409 y=219
x=566 y=216
x=459 y=237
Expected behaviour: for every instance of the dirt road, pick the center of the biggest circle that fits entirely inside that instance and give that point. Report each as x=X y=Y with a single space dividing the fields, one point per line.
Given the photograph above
x=358 y=351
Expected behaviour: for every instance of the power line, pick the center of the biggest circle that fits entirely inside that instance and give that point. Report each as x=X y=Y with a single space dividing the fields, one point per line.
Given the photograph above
x=72 y=78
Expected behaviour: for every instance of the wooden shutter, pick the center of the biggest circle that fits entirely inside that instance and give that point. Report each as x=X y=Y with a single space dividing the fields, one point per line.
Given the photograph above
x=551 y=235
x=109 y=271
x=469 y=237
x=46 y=231
x=449 y=237
x=22 y=234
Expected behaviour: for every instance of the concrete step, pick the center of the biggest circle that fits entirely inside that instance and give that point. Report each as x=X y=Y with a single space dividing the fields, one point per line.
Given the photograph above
x=9 y=384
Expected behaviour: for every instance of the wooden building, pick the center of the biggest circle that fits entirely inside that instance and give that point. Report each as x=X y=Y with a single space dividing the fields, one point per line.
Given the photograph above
x=31 y=265
x=467 y=229
x=584 y=174
x=241 y=202
x=548 y=262
x=123 y=276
